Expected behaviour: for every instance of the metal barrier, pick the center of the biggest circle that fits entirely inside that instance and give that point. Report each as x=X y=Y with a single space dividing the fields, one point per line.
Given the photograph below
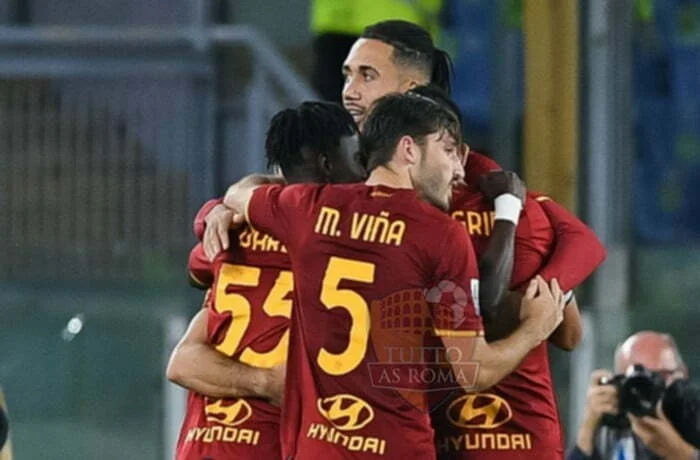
x=111 y=137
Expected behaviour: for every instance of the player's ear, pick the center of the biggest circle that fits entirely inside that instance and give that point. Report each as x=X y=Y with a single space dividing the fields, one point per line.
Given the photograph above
x=409 y=150
x=408 y=84
x=325 y=166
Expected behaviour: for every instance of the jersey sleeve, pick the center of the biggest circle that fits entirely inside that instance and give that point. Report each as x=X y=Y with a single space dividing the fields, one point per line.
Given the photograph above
x=577 y=250
x=534 y=238
x=478 y=164
x=200 y=269
x=273 y=209
x=454 y=293
x=199 y=224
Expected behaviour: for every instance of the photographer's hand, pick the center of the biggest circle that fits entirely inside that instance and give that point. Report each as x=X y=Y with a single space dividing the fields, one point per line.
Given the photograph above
x=600 y=399
x=659 y=436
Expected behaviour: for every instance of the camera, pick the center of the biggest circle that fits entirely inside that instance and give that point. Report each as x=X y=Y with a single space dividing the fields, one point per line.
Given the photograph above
x=681 y=405
x=639 y=391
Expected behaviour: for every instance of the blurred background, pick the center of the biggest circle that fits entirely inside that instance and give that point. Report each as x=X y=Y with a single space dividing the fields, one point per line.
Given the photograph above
x=118 y=118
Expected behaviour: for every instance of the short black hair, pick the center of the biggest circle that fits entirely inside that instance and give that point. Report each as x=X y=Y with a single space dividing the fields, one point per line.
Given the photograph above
x=413 y=47
x=397 y=115
x=313 y=126
x=441 y=97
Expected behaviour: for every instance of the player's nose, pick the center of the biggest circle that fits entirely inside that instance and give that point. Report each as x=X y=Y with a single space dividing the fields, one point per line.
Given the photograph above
x=350 y=91
x=458 y=174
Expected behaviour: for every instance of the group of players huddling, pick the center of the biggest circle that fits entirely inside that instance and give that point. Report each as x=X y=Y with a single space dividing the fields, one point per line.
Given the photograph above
x=390 y=295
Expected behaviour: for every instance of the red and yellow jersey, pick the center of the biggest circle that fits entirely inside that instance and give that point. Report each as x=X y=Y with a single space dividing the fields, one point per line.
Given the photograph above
x=379 y=276
x=248 y=320
x=577 y=250
x=200 y=269
x=518 y=417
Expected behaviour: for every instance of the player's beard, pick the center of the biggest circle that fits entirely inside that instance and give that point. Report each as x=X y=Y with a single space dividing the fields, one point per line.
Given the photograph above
x=430 y=185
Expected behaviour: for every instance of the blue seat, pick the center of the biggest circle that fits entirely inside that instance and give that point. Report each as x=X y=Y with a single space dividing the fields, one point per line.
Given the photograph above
x=472 y=23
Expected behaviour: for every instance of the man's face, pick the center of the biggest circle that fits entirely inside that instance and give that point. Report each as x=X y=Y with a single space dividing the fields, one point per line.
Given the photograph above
x=438 y=169
x=370 y=73
x=343 y=165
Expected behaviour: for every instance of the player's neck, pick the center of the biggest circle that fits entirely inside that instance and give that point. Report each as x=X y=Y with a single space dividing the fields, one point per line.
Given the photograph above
x=390 y=176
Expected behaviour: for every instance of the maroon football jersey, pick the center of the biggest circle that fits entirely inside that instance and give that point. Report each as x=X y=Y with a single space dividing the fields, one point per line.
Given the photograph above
x=577 y=251
x=248 y=320
x=365 y=344
x=518 y=417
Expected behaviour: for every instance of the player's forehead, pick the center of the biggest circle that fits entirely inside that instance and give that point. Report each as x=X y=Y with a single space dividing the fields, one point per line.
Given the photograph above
x=368 y=52
x=443 y=138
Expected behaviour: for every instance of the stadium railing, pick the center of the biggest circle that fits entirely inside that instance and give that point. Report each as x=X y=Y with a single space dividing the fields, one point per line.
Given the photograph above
x=111 y=136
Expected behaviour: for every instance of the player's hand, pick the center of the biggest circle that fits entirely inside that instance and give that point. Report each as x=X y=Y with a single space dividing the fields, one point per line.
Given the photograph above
x=275 y=384
x=218 y=223
x=495 y=183
x=542 y=307
x=659 y=436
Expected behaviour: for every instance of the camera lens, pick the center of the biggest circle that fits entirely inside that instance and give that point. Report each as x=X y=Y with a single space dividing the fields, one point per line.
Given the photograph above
x=640 y=392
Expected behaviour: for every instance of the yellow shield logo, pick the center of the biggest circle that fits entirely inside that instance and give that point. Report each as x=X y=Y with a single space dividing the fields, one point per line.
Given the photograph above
x=346 y=412
x=483 y=410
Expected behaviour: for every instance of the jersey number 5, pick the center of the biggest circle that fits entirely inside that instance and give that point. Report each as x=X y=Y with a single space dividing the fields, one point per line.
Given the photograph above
x=340 y=269
x=274 y=305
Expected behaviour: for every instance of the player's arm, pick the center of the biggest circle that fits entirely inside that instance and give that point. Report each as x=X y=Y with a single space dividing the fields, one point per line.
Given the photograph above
x=214 y=220
x=213 y=207
x=275 y=208
x=577 y=250
x=200 y=219
x=496 y=262
x=577 y=253
x=541 y=307
x=195 y=365
x=570 y=332
x=239 y=194
x=565 y=337
x=495 y=268
x=199 y=268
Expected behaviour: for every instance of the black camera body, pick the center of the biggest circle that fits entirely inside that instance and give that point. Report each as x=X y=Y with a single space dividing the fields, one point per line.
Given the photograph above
x=639 y=391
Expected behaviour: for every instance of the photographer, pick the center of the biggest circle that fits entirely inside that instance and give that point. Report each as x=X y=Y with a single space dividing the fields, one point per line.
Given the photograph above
x=645 y=363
